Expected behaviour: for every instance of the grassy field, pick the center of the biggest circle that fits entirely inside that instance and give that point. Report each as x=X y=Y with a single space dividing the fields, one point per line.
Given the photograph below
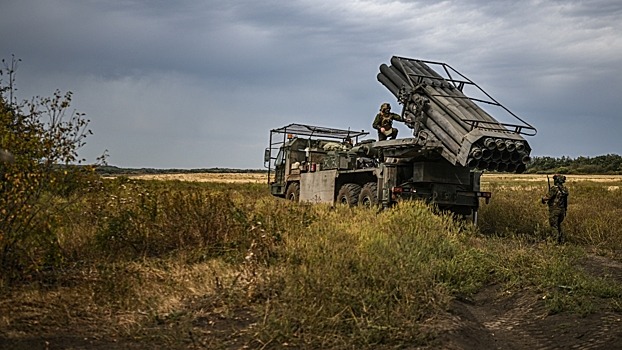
x=202 y=261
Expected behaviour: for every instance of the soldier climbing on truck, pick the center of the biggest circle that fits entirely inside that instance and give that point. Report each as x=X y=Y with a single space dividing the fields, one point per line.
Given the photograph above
x=454 y=141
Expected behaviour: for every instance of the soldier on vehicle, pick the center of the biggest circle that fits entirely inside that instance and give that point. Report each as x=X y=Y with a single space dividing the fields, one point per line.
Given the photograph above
x=557 y=199
x=384 y=122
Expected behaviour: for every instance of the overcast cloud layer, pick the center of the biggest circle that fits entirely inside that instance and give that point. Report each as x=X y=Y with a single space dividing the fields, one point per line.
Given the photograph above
x=199 y=83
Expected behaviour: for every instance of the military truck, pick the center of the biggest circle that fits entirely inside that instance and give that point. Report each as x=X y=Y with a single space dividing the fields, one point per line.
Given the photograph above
x=454 y=141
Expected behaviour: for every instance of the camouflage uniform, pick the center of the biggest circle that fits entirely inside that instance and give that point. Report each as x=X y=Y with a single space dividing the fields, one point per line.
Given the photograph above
x=385 y=119
x=557 y=199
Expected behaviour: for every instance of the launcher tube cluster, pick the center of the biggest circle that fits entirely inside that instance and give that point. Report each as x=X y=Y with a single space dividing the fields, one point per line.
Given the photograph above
x=469 y=135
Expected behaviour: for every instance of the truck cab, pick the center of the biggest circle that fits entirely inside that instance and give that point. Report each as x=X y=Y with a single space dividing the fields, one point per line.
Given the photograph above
x=297 y=150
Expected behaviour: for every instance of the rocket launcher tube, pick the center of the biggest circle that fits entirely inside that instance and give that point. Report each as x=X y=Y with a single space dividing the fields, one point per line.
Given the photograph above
x=397 y=78
x=478 y=112
x=476 y=153
x=474 y=113
x=520 y=146
x=472 y=162
x=439 y=129
x=505 y=156
x=445 y=88
x=452 y=108
x=525 y=158
x=388 y=84
x=500 y=144
x=490 y=144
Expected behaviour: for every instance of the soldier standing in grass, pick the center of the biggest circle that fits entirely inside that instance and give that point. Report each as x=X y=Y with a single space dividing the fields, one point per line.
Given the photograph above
x=384 y=122
x=557 y=199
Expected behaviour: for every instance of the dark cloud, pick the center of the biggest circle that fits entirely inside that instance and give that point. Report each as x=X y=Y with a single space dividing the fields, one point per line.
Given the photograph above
x=199 y=83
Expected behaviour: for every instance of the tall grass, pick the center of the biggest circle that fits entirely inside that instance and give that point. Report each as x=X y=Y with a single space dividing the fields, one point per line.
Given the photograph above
x=593 y=218
x=315 y=276
x=355 y=278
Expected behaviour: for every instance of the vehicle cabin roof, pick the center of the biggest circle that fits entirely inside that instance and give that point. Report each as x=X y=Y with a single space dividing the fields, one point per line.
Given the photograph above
x=319 y=131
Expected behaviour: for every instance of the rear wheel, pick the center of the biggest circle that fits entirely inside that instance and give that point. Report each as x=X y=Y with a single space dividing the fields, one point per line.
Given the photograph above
x=369 y=195
x=293 y=192
x=349 y=194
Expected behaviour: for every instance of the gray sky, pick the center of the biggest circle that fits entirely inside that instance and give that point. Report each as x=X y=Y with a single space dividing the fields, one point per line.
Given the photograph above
x=199 y=83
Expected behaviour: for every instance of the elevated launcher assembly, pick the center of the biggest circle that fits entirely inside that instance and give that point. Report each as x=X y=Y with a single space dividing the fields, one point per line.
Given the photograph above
x=435 y=105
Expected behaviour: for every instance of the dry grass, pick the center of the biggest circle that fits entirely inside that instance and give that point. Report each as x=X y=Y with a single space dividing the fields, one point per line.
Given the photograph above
x=488 y=177
x=221 y=264
x=208 y=177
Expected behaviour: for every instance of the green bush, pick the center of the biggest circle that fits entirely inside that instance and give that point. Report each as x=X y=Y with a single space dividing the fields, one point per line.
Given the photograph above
x=38 y=185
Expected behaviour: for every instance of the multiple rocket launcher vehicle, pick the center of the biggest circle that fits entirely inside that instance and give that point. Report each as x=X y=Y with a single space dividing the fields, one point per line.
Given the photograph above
x=455 y=137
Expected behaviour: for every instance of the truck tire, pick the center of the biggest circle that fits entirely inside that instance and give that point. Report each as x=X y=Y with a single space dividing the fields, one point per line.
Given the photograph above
x=349 y=194
x=369 y=195
x=293 y=192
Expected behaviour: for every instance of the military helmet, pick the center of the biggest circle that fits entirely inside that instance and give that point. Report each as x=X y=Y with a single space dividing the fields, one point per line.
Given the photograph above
x=559 y=179
x=385 y=106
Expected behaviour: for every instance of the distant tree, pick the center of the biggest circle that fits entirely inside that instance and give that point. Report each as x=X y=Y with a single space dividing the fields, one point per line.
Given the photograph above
x=44 y=137
x=605 y=164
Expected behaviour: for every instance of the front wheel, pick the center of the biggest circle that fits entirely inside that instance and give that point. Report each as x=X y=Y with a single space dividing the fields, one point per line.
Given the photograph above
x=349 y=194
x=293 y=192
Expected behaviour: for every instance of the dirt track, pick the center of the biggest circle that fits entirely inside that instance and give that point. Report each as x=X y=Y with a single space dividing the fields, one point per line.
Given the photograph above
x=492 y=319
x=498 y=319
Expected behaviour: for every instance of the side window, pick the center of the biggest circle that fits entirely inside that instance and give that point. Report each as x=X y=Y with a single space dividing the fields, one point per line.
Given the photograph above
x=280 y=160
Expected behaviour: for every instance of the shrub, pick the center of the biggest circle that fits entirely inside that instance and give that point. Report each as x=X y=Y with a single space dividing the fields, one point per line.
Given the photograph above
x=44 y=138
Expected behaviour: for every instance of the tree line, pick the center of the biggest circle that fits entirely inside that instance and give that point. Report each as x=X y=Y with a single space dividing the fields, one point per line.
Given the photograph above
x=609 y=164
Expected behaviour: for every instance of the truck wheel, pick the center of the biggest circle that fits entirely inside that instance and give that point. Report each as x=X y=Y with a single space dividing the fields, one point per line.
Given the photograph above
x=349 y=194
x=369 y=195
x=293 y=192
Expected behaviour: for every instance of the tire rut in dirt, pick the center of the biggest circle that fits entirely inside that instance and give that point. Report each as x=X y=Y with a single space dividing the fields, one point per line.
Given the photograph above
x=499 y=320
